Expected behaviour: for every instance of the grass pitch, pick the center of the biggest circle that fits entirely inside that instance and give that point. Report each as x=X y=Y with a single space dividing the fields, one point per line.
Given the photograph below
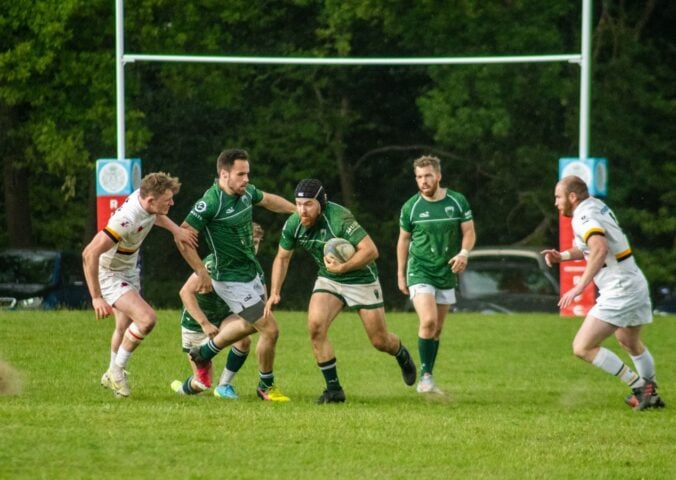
x=519 y=406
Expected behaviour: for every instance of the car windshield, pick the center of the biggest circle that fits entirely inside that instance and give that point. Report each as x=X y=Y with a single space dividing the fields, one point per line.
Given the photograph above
x=29 y=267
x=487 y=279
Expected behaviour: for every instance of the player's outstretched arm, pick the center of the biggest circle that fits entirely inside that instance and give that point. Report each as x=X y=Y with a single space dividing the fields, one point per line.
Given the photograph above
x=182 y=235
x=276 y=204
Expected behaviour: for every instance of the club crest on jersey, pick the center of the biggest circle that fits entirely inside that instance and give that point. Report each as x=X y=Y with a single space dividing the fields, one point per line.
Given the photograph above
x=322 y=234
x=200 y=206
x=245 y=200
x=449 y=211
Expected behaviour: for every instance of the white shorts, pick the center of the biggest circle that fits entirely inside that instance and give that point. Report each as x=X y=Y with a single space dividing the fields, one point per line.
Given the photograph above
x=240 y=295
x=623 y=309
x=441 y=297
x=115 y=284
x=191 y=338
x=356 y=296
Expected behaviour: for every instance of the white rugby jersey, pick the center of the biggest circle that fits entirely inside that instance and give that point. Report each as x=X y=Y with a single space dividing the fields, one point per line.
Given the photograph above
x=592 y=217
x=128 y=227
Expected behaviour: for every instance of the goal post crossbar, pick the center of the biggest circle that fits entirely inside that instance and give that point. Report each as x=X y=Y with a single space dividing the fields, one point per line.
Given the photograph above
x=583 y=59
x=571 y=58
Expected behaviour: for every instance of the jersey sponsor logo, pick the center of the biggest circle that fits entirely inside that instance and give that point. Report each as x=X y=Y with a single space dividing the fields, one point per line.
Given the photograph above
x=230 y=210
x=200 y=206
x=449 y=211
x=350 y=230
x=424 y=215
x=247 y=298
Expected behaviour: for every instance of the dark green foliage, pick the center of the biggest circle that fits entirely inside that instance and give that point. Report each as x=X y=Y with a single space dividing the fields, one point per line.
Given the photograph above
x=499 y=129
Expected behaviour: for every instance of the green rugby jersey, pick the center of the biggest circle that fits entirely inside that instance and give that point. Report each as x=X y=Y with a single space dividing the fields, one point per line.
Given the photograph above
x=335 y=221
x=225 y=221
x=436 y=237
x=213 y=306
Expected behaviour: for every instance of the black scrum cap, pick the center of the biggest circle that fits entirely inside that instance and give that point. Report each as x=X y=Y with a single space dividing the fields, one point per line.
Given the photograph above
x=311 y=188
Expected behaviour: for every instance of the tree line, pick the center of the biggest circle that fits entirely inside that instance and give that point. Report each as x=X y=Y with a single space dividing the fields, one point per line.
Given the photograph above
x=499 y=129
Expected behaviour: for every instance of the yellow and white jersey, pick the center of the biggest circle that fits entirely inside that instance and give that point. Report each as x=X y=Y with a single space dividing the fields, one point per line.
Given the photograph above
x=128 y=227
x=593 y=217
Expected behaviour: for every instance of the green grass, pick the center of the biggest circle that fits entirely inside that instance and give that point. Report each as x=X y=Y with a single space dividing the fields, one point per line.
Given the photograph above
x=520 y=406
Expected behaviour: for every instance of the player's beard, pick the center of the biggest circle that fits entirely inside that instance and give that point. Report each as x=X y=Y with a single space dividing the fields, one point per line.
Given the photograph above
x=308 y=221
x=238 y=190
x=430 y=191
x=567 y=209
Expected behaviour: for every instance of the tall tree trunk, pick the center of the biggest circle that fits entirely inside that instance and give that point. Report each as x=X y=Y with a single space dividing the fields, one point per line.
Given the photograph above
x=15 y=181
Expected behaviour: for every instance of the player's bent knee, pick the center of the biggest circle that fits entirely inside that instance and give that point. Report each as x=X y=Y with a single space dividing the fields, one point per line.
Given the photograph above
x=380 y=343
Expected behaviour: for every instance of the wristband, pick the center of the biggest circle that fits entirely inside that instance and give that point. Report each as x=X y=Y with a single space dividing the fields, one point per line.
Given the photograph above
x=464 y=252
x=565 y=255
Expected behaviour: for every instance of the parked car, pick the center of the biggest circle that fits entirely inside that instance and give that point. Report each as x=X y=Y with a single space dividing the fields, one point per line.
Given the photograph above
x=665 y=301
x=507 y=280
x=45 y=279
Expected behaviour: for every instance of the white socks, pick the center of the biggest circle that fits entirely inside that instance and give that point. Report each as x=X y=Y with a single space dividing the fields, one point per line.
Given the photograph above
x=611 y=363
x=645 y=365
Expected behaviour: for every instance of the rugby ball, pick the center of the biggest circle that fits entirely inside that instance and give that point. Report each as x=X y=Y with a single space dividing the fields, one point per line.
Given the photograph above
x=339 y=249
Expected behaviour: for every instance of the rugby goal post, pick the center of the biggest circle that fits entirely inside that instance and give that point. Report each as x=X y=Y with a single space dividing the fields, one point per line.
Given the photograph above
x=582 y=59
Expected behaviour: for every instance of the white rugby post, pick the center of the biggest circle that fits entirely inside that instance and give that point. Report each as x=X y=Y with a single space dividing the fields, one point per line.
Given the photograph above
x=582 y=59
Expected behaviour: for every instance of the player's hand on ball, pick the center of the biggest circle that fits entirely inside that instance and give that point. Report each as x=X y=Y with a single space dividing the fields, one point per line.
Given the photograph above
x=333 y=265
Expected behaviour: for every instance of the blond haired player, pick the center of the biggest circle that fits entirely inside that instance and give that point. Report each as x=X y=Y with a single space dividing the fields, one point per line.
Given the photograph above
x=110 y=268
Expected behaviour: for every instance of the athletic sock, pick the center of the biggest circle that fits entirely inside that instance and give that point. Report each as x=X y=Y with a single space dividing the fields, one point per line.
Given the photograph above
x=645 y=365
x=236 y=359
x=427 y=351
x=122 y=358
x=209 y=350
x=611 y=363
x=434 y=354
x=187 y=389
x=330 y=372
x=112 y=359
x=266 y=380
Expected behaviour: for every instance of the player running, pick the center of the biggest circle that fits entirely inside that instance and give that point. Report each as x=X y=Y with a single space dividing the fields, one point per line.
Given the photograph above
x=623 y=305
x=353 y=283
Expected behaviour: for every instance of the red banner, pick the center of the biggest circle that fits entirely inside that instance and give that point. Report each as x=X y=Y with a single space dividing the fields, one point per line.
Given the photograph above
x=105 y=207
x=570 y=273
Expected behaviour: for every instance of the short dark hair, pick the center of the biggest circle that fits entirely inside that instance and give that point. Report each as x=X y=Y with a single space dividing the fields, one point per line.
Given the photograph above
x=228 y=157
